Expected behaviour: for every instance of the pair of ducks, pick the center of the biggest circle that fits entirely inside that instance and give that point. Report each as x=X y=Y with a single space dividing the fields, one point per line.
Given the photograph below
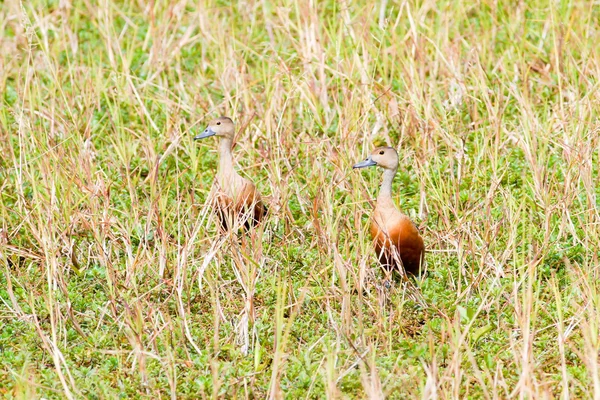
x=396 y=239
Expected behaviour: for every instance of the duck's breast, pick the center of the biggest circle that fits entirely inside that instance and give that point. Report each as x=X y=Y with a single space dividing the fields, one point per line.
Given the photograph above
x=394 y=230
x=238 y=199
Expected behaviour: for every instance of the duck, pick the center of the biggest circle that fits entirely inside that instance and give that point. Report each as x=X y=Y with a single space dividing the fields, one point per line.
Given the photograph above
x=397 y=241
x=237 y=198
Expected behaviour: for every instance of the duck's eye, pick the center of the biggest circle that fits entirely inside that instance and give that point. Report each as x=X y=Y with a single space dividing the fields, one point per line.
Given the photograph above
x=218 y=123
x=381 y=152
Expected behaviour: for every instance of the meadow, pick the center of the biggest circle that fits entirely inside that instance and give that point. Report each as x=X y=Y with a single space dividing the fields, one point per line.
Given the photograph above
x=116 y=283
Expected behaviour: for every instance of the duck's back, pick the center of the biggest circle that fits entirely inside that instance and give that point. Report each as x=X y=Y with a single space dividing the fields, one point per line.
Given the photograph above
x=250 y=201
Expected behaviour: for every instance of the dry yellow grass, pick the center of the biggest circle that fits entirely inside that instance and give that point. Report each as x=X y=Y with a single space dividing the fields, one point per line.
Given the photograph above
x=115 y=281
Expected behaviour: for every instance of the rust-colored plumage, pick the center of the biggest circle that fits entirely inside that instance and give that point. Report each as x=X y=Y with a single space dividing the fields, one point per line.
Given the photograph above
x=245 y=206
x=396 y=238
x=237 y=199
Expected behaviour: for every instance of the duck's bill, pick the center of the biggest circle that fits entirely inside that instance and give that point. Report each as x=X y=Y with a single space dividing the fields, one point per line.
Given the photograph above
x=363 y=164
x=207 y=133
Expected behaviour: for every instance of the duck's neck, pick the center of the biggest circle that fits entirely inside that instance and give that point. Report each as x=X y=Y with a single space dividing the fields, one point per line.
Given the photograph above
x=385 y=192
x=225 y=157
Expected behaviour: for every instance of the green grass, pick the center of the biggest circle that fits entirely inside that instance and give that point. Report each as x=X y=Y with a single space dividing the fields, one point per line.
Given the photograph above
x=115 y=283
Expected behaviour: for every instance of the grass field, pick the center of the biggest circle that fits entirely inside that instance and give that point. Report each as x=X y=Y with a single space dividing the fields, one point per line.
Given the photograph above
x=116 y=283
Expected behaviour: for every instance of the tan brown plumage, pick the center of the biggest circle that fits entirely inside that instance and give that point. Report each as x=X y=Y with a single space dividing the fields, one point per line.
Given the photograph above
x=237 y=199
x=394 y=235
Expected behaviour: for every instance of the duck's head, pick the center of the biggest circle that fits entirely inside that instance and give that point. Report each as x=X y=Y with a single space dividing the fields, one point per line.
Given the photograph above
x=221 y=127
x=384 y=157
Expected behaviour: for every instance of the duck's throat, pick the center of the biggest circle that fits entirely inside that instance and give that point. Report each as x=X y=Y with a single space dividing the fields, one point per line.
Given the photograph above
x=385 y=192
x=225 y=157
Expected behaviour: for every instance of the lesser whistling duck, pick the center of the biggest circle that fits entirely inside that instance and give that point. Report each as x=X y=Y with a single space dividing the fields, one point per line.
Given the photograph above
x=237 y=198
x=391 y=230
